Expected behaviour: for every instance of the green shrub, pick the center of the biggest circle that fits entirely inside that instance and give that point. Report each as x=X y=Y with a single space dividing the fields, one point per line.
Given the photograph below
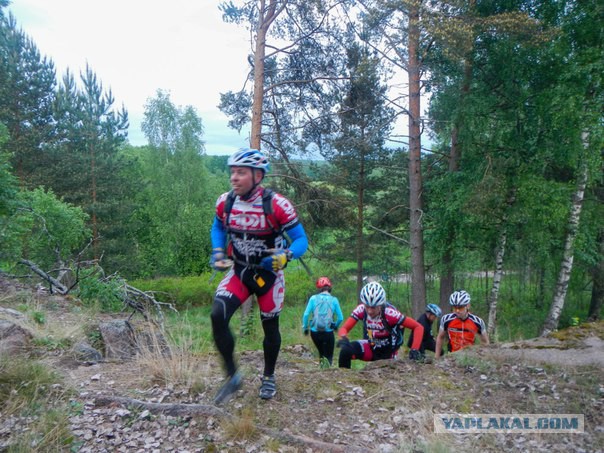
x=198 y=291
x=107 y=293
x=183 y=292
x=39 y=317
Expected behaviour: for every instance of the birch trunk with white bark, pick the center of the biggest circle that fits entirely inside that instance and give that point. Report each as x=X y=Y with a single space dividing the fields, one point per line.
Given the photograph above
x=551 y=322
x=494 y=296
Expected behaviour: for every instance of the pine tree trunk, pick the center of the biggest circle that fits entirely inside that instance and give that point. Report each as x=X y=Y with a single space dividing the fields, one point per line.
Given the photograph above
x=265 y=19
x=551 y=322
x=267 y=14
x=416 y=241
x=94 y=220
x=258 y=96
x=447 y=278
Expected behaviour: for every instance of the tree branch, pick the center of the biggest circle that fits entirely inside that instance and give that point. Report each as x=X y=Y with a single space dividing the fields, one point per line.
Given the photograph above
x=51 y=280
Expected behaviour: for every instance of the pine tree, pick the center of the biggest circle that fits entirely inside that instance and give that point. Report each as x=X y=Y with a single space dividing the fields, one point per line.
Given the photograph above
x=358 y=149
x=86 y=163
x=27 y=84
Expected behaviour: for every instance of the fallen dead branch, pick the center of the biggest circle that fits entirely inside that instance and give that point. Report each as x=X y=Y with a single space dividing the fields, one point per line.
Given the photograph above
x=55 y=285
x=143 y=302
x=175 y=409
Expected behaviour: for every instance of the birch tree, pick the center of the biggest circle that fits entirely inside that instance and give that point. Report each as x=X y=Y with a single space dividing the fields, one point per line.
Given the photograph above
x=566 y=266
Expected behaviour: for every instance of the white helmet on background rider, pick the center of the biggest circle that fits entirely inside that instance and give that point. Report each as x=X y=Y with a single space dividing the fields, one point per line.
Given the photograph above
x=459 y=299
x=373 y=295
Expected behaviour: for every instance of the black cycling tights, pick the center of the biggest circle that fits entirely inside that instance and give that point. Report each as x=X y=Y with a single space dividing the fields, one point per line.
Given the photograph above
x=353 y=350
x=222 y=312
x=324 y=341
x=271 y=343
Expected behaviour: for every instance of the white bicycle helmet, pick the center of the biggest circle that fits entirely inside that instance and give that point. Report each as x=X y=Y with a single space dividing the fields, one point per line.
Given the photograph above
x=373 y=295
x=459 y=299
x=247 y=157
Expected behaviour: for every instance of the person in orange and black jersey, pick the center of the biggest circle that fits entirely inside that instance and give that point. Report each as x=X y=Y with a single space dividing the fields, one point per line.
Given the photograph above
x=460 y=327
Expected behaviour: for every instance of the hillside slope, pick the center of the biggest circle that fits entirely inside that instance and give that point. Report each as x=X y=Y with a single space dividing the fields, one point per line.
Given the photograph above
x=387 y=406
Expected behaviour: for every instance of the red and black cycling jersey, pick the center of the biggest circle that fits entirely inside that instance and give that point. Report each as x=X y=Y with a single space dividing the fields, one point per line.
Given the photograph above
x=384 y=331
x=461 y=333
x=251 y=233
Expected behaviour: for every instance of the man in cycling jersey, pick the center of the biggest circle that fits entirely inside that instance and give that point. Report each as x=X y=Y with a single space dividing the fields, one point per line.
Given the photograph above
x=254 y=261
x=461 y=326
x=382 y=329
x=322 y=316
x=426 y=319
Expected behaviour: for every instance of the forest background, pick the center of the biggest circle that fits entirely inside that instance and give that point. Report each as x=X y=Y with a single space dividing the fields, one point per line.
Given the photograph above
x=506 y=203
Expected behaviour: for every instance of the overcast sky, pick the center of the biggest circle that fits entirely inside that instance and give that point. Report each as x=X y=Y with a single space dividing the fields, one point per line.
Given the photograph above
x=136 y=47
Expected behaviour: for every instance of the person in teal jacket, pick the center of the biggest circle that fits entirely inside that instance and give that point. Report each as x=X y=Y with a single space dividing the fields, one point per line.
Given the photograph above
x=322 y=316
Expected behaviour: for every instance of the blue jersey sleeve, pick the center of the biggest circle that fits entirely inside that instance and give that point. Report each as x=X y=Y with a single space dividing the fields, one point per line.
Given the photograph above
x=218 y=234
x=298 y=239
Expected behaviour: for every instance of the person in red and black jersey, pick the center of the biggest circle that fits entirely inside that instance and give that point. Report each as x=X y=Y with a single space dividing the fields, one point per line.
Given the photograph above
x=461 y=326
x=254 y=261
x=382 y=329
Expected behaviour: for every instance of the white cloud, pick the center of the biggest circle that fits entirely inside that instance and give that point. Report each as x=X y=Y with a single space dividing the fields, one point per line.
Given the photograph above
x=138 y=46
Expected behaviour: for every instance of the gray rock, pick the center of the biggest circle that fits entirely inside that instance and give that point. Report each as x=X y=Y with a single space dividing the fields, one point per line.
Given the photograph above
x=14 y=339
x=84 y=353
x=119 y=340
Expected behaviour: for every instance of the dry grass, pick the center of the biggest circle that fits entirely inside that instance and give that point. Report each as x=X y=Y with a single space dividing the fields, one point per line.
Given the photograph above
x=49 y=433
x=31 y=391
x=172 y=364
x=53 y=325
x=23 y=382
x=241 y=427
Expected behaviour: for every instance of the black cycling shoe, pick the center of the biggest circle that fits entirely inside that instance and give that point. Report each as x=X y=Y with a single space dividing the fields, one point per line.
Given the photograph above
x=268 y=388
x=227 y=390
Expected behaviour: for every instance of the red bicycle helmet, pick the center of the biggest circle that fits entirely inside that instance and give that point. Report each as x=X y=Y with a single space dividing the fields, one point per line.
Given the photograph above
x=323 y=281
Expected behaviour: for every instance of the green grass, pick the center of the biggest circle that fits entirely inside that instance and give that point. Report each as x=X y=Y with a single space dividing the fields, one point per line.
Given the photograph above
x=520 y=314
x=30 y=389
x=194 y=324
x=22 y=381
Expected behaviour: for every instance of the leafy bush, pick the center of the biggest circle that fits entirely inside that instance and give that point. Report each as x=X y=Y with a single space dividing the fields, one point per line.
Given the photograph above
x=43 y=224
x=107 y=293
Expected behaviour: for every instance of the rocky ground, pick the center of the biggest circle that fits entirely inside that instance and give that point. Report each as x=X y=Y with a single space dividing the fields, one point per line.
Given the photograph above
x=387 y=406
